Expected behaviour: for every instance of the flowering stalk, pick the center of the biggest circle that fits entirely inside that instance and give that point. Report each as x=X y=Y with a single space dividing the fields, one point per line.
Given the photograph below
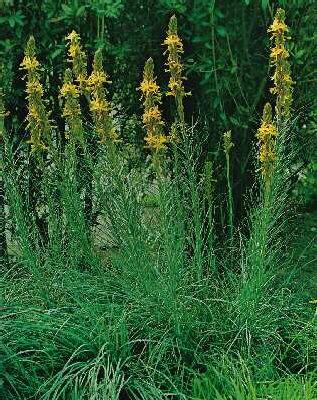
x=267 y=155
x=175 y=68
x=71 y=109
x=228 y=145
x=2 y=116
x=99 y=106
x=282 y=71
x=37 y=118
x=3 y=227
x=78 y=59
x=152 y=118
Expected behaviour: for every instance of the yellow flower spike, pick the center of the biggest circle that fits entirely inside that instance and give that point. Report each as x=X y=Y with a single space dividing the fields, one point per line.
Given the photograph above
x=283 y=83
x=71 y=109
x=152 y=118
x=37 y=118
x=73 y=36
x=175 y=68
x=78 y=59
x=266 y=135
x=99 y=106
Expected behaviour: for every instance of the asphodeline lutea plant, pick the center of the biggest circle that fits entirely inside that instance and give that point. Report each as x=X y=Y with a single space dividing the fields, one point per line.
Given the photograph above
x=71 y=108
x=78 y=59
x=99 y=106
x=38 y=123
x=266 y=135
x=175 y=67
x=283 y=83
x=152 y=118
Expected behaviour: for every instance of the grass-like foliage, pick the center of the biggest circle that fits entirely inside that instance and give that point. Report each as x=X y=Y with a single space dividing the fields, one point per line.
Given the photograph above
x=118 y=283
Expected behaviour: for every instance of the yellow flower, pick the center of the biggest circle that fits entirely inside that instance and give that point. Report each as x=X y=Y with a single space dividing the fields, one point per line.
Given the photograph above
x=266 y=155
x=152 y=116
x=174 y=40
x=267 y=129
x=73 y=36
x=148 y=86
x=74 y=51
x=30 y=63
x=156 y=142
x=99 y=106
x=278 y=27
x=174 y=65
x=278 y=52
x=33 y=113
x=81 y=79
x=175 y=86
x=69 y=89
x=98 y=78
x=34 y=87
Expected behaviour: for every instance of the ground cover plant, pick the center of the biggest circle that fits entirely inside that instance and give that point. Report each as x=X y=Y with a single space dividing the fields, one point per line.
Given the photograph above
x=139 y=266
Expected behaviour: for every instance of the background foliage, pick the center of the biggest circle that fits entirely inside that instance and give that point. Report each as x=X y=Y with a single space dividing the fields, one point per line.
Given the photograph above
x=226 y=50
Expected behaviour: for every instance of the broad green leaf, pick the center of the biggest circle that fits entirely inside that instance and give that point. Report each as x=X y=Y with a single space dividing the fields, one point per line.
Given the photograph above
x=265 y=4
x=221 y=30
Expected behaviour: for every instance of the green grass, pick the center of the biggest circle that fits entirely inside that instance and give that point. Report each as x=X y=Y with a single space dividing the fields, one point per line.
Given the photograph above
x=305 y=252
x=158 y=306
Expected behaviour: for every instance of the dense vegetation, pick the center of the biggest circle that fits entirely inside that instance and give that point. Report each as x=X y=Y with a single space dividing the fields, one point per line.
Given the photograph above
x=154 y=157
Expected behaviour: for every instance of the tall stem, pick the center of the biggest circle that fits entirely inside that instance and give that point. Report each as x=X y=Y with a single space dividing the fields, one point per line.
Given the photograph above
x=3 y=240
x=230 y=196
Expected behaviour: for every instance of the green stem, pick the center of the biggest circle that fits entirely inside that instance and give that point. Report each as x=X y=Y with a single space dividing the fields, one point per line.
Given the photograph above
x=230 y=197
x=3 y=241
